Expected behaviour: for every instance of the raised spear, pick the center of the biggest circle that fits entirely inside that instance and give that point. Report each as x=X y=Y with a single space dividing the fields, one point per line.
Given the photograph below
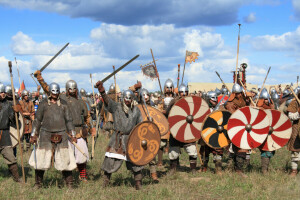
x=262 y=85
x=184 y=67
x=237 y=56
x=16 y=118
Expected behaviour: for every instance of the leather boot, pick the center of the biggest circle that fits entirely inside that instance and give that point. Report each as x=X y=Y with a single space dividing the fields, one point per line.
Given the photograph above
x=68 y=178
x=28 y=145
x=294 y=173
x=13 y=168
x=154 y=177
x=106 y=179
x=39 y=174
x=160 y=158
x=218 y=167
x=138 y=180
x=264 y=165
x=193 y=167
x=173 y=167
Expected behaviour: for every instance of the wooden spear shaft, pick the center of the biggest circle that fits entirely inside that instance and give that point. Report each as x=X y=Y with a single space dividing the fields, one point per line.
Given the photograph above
x=246 y=93
x=184 y=67
x=116 y=97
x=156 y=71
x=223 y=81
x=262 y=85
x=93 y=138
x=18 y=71
x=292 y=90
x=237 y=56
x=16 y=118
x=297 y=80
x=178 y=75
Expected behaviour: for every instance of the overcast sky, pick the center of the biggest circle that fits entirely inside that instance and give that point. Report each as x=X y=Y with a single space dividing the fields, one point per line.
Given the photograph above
x=106 y=33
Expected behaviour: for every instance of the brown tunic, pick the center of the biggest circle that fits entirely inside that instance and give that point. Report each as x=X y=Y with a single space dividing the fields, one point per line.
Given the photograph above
x=294 y=143
x=27 y=107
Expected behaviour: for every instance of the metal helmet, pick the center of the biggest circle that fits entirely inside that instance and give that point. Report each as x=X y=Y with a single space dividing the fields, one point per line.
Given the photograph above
x=111 y=87
x=204 y=95
x=274 y=96
x=156 y=95
x=183 y=88
x=88 y=94
x=128 y=95
x=169 y=84
x=272 y=91
x=54 y=88
x=2 y=87
x=44 y=96
x=236 y=88
x=82 y=92
x=264 y=94
x=285 y=93
x=144 y=91
x=224 y=90
x=212 y=95
x=218 y=92
x=297 y=90
x=71 y=85
x=25 y=93
x=8 y=89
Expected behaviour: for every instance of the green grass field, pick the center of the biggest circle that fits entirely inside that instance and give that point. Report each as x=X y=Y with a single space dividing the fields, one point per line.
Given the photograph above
x=183 y=185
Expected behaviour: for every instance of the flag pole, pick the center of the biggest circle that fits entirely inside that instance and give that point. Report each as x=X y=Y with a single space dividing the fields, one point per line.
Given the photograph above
x=184 y=67
x=156 y=71
x=237 y=56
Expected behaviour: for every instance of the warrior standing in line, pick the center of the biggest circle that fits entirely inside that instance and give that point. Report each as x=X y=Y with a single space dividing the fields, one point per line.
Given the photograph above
x=50 y=131
x=28 y=113
x=175 y=145
x=126 y=117
x=7 y=117
x=205 y=150
x=237 y=100
x=169 y=96
x=144 y=95
x=294 y=142
x=265 y=102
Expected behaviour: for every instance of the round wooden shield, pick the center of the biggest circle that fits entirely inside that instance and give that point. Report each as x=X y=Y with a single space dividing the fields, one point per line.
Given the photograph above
x=13 y=131
x=158 y=118
x=214 y=129
x=186 y=118
x=280 y=131
x=143 y=143
x=248 y=127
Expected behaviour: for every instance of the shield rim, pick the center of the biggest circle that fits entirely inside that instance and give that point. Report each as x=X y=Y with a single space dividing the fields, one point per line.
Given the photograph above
x=249 y=107
x=196 y=139
x=131 y=135
x=21 y=131
x=261 y=147
x=143 y=106
x=203 y=125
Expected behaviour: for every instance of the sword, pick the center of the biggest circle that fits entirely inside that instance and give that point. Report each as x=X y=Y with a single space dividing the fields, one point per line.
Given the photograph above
x=218 y=105
x=48 y=63
x=119 y=69
x=77 y=147
x=34 y=152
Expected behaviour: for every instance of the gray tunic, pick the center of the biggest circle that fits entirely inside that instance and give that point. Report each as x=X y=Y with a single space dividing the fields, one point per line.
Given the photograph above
x=6 y=118
x=53 y=119
x=123 y=124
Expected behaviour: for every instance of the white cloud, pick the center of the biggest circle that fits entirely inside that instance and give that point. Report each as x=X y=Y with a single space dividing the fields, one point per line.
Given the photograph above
x=289 y=41
x=250 y=18
x=296 y=7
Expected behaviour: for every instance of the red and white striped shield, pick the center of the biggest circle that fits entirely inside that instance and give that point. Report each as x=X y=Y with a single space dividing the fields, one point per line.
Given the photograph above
x=248 y=127
x=186 y=117
x=280 y=131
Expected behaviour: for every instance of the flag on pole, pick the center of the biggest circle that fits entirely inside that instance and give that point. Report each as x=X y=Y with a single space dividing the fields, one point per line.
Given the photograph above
x=149 y=70
x=191 y=56
x=22 y=87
